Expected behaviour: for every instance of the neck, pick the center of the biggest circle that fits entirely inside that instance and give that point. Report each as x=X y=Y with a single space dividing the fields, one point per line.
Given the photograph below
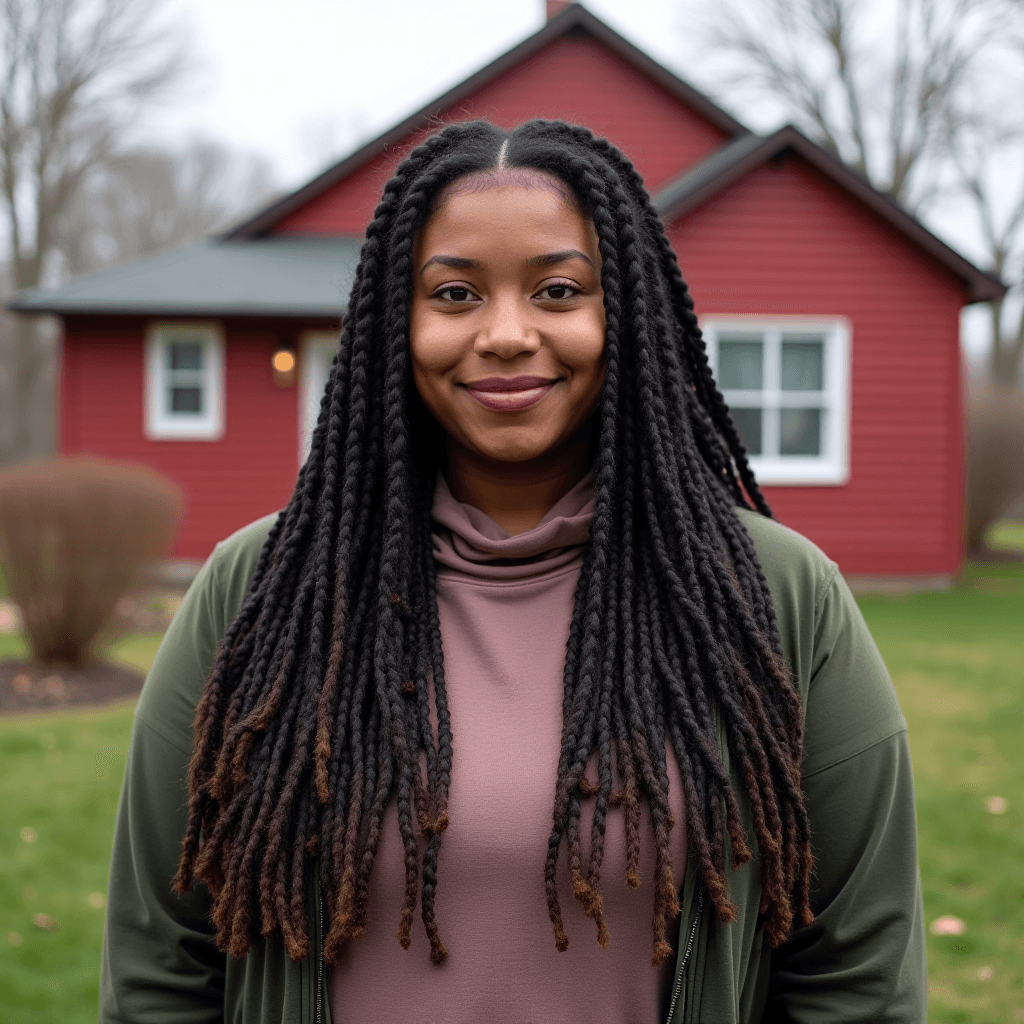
x=516 y=495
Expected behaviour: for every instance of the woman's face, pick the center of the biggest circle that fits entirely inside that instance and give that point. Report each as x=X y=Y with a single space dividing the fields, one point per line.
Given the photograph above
x=507 y=324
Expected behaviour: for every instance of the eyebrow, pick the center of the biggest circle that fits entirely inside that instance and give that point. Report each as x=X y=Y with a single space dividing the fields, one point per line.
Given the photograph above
x=545 y=260
x=550 y=258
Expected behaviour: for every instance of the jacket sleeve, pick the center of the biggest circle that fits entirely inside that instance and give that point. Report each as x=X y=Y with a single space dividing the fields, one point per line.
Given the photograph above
x=160 y=963
x=863 y=957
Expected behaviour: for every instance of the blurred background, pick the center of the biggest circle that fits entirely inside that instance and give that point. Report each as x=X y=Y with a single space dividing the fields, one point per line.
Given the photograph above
x=184 y=189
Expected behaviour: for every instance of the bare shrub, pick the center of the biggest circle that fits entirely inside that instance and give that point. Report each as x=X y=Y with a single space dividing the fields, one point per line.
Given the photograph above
x=995 y=457
x=74 y=535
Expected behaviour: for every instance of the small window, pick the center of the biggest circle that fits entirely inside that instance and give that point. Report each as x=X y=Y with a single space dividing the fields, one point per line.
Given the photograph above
x=786 y=384
x=184 y=382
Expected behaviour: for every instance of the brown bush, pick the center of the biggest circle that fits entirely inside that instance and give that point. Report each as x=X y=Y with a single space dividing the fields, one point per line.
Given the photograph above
x=995 y=457
x=74 y=535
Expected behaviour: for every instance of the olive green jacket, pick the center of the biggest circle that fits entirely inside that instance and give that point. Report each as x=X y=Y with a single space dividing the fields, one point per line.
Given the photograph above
x=861 y=960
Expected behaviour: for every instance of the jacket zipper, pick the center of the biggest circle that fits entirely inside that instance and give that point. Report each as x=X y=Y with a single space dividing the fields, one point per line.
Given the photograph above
x=320 y=955
x=686 y=953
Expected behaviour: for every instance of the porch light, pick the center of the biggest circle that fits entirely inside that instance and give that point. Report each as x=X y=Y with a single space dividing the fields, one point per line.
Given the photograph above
x=283 y=363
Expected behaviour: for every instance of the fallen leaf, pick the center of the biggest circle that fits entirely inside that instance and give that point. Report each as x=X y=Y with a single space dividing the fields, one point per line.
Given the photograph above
x=948 y=925
x=986 y=973
x=45 y=923
x=996 y=805
x=29 y=835
x=96 y=900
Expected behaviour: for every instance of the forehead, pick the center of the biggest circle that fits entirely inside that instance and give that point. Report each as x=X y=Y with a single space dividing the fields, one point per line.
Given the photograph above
x=508 y=212
x=507 y=177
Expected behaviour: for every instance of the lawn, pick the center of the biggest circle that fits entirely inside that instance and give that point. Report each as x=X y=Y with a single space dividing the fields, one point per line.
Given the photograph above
x=956 y=658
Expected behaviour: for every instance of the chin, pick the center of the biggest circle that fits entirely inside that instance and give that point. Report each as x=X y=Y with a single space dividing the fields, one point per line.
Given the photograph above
x=514 y=453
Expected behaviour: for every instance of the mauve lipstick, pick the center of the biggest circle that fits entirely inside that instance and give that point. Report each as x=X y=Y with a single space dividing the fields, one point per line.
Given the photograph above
x=510 y=394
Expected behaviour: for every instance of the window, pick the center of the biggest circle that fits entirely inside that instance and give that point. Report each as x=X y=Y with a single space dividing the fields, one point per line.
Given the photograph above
x=786 y=383
x=184 y=382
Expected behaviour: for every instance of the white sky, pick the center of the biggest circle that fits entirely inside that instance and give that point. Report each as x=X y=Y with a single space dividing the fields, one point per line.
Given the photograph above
x=297 y=80
x=300 y=82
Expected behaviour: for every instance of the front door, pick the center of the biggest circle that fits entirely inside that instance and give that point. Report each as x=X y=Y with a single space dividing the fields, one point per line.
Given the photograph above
x=317 y=351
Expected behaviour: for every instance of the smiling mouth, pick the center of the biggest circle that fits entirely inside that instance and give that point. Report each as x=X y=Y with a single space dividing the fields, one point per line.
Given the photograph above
x=510 y=394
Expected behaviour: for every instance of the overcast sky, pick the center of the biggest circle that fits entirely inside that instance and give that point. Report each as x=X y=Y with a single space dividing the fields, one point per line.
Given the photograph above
x=301 y=82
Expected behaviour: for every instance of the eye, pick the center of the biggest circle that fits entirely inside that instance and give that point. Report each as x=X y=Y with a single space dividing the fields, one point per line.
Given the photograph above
x=558 y=291
x=455 y=293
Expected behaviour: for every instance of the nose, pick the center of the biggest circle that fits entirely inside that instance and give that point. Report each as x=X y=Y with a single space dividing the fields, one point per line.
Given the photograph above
x=507 y=330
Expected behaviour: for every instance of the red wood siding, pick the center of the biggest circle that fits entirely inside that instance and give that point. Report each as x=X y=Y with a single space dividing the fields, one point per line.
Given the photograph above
x=574 y=79
x=227 y=483
x=785 y=241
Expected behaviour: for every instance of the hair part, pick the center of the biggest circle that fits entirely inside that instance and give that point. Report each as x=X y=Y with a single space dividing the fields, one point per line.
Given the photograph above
x=318 y=708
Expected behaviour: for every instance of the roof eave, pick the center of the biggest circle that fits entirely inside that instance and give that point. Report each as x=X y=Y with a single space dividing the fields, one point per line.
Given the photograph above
x=980 y=285
x=574 y=18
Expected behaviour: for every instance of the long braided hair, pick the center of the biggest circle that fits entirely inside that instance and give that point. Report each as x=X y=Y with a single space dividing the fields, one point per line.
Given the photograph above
x=318 y=708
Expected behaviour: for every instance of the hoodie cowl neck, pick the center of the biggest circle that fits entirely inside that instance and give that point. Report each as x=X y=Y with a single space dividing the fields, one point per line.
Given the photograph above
x=471 y=543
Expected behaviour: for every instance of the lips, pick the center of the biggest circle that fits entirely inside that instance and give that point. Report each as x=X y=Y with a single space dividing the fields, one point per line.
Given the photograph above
x=510 y=394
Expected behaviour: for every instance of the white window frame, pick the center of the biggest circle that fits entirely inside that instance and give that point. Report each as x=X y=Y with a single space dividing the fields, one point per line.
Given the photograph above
x=832 y=467
x=313 y=373
x=161 y=424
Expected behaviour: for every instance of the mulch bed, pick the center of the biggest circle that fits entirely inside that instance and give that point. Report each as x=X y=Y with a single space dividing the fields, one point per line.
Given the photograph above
x=26 y=686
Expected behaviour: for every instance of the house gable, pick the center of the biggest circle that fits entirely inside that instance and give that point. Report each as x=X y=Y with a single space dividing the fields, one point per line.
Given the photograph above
x=575 y=69
x=747 y=154
x=785 y=240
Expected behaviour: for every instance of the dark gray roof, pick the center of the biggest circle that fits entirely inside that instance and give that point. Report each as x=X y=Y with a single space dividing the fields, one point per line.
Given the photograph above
x=708 y=173
x=275 y=276
x=742 y=155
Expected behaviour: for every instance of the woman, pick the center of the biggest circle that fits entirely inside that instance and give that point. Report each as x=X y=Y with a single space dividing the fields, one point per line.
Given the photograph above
x=516 y=634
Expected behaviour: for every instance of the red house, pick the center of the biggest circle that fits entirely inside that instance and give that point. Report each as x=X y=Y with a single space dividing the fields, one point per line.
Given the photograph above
x=832 y=315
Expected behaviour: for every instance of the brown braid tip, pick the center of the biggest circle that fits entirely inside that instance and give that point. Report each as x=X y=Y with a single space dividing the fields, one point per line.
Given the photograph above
x=661 y=954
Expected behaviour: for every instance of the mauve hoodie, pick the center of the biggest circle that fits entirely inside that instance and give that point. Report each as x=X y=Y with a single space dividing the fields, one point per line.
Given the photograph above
x=505 y=604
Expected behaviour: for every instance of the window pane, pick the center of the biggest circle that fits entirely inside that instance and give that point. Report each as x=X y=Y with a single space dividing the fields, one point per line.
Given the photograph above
x=185 y=355
x=187 y=400
x=803 y=365
x=800 y=432
x=740 y=364
x=748 y=423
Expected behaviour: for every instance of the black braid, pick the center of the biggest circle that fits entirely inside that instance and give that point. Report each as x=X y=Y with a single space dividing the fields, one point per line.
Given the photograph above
x=318 y=707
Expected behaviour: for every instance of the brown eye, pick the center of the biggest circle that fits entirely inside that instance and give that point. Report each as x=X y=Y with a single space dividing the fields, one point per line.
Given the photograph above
x=455 y=293
x=559 y=291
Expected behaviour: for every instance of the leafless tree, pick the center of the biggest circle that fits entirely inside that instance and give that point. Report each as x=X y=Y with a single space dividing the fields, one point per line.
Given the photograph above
x=75 y=76
x=919 y=96
x=147 y=199
x=989 y=168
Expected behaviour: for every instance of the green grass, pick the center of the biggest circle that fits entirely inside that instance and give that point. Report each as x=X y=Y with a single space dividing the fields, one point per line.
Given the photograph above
x=61 y=777
x=1006 y=535
x=957 y=659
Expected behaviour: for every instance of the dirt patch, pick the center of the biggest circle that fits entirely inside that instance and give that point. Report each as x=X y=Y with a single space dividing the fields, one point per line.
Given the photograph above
x=26 y=686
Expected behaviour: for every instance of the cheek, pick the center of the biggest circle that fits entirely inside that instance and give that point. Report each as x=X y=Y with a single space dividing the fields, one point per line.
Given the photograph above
x=583 y=349
x=430 y=348
x=431 y=359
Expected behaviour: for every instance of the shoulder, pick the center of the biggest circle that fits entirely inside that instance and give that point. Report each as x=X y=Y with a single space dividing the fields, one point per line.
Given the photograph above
x=848 y=698
x=233 y=563
x=799 y=574
x=186 y=655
